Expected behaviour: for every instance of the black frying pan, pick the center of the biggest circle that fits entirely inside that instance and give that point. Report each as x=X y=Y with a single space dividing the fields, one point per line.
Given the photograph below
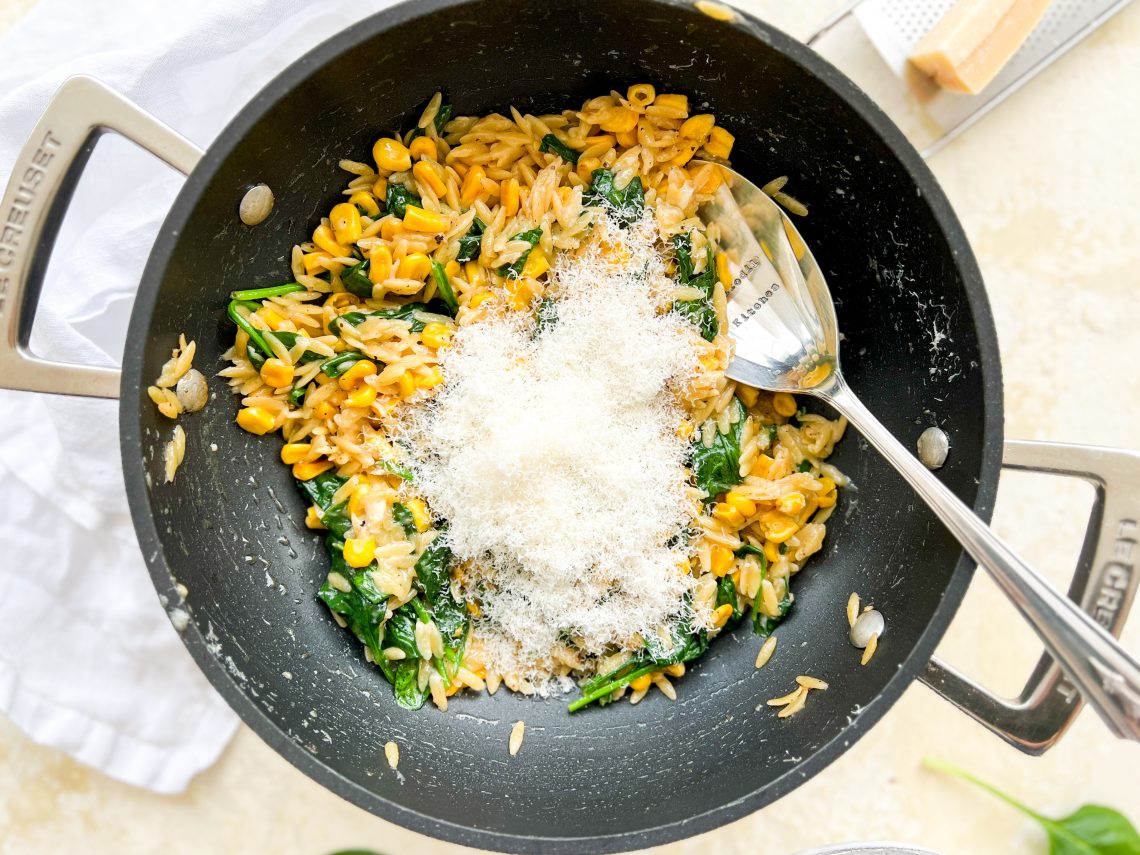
x=609 y=779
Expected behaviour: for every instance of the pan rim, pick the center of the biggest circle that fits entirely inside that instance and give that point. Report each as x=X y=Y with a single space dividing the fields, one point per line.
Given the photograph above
x=252 y=715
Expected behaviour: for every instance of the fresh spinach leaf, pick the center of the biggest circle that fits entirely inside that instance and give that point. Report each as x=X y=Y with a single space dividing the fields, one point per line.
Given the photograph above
x=1089 y=830
x=470 y=243
x=403 y=516
x=716 y=467
x=553 y=145
x=626 y=204
x=531 y=236
x=397 y=198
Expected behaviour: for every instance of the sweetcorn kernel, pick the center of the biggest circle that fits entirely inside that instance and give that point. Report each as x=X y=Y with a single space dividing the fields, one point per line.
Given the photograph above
x=436 y=335
x=420 y=515
x=359 y=370
x=295 y=452
x=720 y=559
x=309 y=469
x=419 y=220
x=359 y=551
x=391 y=155
x=784 y=404
x=741 y=503
x=255 y=420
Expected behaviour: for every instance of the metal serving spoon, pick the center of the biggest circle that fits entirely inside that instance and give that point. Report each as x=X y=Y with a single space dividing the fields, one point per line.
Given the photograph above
x=783 y=320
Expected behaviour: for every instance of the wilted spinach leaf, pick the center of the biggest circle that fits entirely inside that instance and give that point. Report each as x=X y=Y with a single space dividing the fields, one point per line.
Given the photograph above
x=403 y=516
x=397 y=199
x=766 y=624
x=626 y=204
x=716 y=467
x=552 y=144
x=469 y=244
x=700 y=312
x=726 y=596
x=443 y=285
x=356 y=280
x=531 y=236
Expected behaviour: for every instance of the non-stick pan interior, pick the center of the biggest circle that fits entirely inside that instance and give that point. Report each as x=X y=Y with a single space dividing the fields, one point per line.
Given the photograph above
x=919 y=348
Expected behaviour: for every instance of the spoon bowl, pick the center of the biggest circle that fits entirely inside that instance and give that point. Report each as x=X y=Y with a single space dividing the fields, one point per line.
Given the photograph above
x=780 y=311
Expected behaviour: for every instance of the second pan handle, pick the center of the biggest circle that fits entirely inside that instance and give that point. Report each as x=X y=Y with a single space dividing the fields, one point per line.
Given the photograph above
x=1106 y=674
x=35 y=200
x=1104 y=585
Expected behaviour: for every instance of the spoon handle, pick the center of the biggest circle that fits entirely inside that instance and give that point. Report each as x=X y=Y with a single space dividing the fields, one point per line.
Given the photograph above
x=1106 y=675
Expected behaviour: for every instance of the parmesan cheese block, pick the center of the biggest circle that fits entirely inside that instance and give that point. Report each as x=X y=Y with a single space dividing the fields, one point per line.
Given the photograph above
x=974 y=41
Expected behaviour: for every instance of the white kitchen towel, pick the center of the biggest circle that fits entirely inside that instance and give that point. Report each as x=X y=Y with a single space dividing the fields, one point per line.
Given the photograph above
x=89 y=662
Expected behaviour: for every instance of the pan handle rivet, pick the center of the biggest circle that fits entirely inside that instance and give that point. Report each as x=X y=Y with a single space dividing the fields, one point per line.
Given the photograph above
x=256 y=204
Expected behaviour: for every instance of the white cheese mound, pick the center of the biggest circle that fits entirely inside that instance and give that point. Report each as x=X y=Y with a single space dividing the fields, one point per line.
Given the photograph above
x=556 y=460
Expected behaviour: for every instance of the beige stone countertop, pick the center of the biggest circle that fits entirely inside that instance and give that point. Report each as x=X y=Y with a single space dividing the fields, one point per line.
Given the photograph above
x=1046 y=187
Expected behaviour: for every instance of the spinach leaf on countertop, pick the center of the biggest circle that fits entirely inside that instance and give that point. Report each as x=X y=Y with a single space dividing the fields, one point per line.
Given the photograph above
x=1089 y=830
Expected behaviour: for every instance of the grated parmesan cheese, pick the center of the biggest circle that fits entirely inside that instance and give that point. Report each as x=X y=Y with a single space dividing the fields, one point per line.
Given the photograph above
x=555 y=456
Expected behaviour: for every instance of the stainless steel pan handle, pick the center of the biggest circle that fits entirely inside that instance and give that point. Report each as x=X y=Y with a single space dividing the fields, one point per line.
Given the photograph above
x=1104 y=585
x=38 y=191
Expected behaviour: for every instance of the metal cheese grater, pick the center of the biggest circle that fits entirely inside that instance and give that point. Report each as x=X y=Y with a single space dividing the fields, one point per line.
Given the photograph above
x=895 y=26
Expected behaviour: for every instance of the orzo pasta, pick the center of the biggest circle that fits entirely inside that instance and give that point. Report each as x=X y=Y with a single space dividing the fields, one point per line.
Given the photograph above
x=412 y=369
